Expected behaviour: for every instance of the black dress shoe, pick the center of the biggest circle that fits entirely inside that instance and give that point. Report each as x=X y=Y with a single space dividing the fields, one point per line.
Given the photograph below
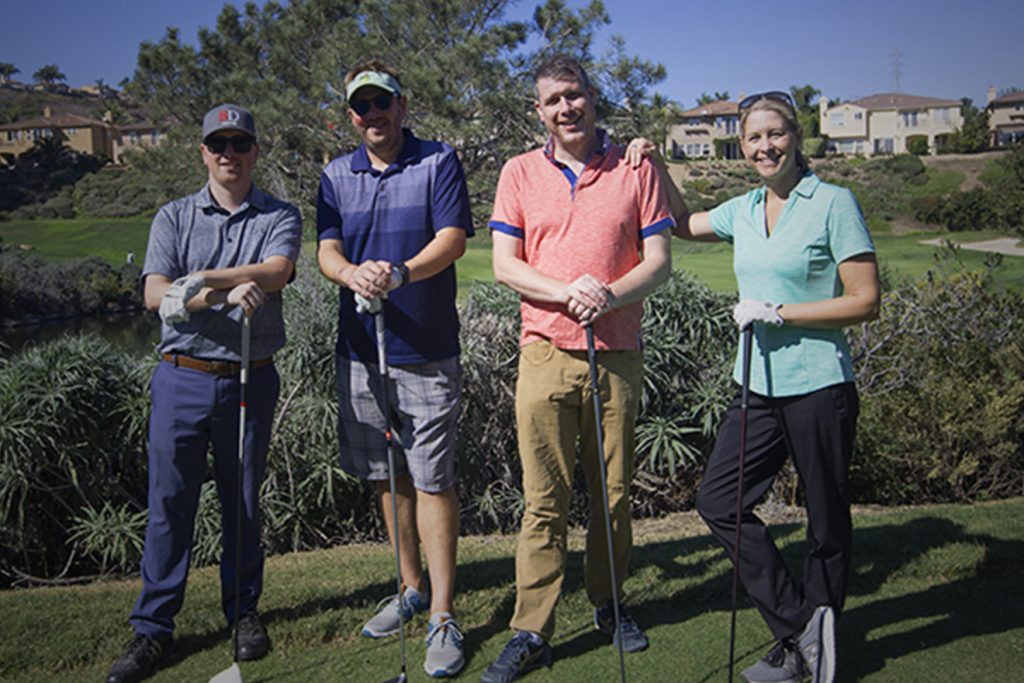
x=139 y=660
x=253 y=641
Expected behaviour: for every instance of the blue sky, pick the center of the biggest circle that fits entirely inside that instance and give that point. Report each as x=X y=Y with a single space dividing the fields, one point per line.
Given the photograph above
x=846 y=48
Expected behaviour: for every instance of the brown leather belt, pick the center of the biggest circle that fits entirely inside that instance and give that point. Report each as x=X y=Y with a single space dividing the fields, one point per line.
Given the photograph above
x=221 y=368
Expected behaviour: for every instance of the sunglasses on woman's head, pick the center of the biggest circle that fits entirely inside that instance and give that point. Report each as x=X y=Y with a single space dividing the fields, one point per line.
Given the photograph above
x=380 y=102
x=219 y=143
x=775 y=95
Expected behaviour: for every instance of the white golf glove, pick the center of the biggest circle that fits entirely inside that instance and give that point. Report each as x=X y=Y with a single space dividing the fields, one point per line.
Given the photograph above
x=173 y=305
x=364 y=305
x=750 y=311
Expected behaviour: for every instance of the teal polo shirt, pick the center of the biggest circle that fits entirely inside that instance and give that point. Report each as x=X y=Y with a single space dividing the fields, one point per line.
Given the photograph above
x=820 y=227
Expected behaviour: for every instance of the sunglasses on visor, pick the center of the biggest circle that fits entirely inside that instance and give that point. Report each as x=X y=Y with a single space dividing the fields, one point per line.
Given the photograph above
x=218 y=143
x=776 y=95
x=381 y=102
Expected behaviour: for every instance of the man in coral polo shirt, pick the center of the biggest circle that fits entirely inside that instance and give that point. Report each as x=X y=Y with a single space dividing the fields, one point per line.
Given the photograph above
x=583 y=238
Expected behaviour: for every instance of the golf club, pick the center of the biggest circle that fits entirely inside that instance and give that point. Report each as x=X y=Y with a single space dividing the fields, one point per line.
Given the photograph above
x=382 y=361
x=596 y=391
x=233 y=674
x=747 y=341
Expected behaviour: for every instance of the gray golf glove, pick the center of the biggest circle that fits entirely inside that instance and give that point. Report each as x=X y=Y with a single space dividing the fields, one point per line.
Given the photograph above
x=177 y=296
x=750 y=311
x=364 y=305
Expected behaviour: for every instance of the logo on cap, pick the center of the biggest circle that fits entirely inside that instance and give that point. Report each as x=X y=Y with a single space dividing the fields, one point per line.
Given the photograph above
x=228 y=115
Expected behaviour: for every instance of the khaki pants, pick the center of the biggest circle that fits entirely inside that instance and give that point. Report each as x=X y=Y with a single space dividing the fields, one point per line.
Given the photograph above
x=554 y=409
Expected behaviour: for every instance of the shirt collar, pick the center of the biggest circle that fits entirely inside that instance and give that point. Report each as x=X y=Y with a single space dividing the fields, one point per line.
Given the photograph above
x=256 y=199
x=604 y=141
x=805 y=187
x=410 y=152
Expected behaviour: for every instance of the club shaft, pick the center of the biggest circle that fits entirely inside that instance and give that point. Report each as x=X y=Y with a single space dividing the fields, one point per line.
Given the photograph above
x=243 y=382
x=382 y=362
x=747 y=341
x=595 y=390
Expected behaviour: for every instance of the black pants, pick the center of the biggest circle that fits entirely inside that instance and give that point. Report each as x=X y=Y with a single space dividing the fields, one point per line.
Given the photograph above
x=816 y=430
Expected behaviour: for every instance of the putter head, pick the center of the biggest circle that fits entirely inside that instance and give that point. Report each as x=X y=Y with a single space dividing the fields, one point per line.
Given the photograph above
x=230 y=675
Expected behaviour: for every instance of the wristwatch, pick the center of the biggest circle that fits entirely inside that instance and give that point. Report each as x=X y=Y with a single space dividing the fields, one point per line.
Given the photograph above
x=403 y=271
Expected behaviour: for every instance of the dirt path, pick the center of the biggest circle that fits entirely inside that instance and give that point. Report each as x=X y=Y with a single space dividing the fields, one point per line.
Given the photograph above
x=1005 y=245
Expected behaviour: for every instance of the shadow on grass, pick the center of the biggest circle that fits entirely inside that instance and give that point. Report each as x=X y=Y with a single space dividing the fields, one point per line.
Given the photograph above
x=971 y=602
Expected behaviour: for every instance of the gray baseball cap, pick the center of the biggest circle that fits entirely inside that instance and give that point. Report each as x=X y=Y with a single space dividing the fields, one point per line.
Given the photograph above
x=228 y=117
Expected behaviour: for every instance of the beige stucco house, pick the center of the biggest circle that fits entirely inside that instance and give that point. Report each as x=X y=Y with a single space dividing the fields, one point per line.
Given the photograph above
x=1005 y=118
x=80 y=133
x=886 y=123
x=694 y=137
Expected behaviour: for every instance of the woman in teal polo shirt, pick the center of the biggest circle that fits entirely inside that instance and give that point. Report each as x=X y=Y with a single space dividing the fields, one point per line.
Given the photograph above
x=805 y=267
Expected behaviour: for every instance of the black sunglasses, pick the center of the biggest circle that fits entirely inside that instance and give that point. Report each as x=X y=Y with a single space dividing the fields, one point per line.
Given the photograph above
x=775 y=95
x=219 y=143
x=381 y=102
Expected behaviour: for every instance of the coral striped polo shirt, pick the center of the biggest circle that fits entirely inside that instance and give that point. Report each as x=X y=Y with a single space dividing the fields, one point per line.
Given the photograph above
x=594 y=224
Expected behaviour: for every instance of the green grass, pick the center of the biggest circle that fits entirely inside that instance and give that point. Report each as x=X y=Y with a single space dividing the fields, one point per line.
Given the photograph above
x=113 y=238
x=934 y=595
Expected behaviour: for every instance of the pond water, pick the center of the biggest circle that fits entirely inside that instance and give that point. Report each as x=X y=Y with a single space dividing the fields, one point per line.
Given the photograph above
x=136 y=333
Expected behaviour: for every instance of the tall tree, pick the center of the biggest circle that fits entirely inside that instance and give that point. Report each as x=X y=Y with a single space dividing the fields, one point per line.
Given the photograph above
x=7 y=70
x=49 y=75
x=708 y=99
x=806 y=111
x=973 y=136
x=466 y=69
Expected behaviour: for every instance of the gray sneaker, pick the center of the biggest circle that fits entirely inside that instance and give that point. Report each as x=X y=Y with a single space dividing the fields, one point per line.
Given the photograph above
x=817 y=645
x=782 y=664
x=386 y=621
x=444 y=647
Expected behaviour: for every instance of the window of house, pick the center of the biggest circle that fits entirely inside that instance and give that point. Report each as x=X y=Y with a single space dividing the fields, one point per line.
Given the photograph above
x=838 y=119
x=884 y=146
x=731 y=125
x=858 y=115
x=910 y=119
x=941 y=115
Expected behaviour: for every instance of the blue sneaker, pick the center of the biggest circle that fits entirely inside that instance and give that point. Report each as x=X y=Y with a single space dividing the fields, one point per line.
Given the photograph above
x=444 y=647
x=633 y=637
x=522 y=654
x=386 y=621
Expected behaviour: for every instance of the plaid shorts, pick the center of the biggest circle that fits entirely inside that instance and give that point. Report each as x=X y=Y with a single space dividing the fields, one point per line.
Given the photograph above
x=424 y=401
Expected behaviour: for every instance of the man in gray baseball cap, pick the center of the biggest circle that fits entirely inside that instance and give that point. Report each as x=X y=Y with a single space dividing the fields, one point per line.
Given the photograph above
x=215 y=256
x=225 y=117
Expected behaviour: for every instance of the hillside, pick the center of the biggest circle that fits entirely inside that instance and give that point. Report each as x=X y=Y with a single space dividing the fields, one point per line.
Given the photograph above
x=889 y=189
x=22 y=104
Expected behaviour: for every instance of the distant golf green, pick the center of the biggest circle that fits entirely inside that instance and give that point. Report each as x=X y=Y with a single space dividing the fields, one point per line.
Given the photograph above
x=113 y=238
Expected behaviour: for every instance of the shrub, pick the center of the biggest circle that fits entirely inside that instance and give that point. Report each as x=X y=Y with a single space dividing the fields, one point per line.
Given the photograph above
x=942 y=388
x=918 y=146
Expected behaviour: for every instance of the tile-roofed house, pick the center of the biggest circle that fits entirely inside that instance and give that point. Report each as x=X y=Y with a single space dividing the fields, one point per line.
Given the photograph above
x=700 y=127
x=1005 y=117
x=887 y=122
x=80 y=133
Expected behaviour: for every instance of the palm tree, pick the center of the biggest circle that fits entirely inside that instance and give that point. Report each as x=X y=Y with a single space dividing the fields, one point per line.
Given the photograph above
x=7 y=70
x=49 y=75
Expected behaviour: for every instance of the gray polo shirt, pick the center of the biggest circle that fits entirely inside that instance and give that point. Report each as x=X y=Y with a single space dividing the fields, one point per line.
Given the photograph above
x=194 y=233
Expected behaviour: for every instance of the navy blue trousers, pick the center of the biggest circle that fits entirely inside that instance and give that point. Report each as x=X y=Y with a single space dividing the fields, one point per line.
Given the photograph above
x=816 y=431
x=194 y=412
